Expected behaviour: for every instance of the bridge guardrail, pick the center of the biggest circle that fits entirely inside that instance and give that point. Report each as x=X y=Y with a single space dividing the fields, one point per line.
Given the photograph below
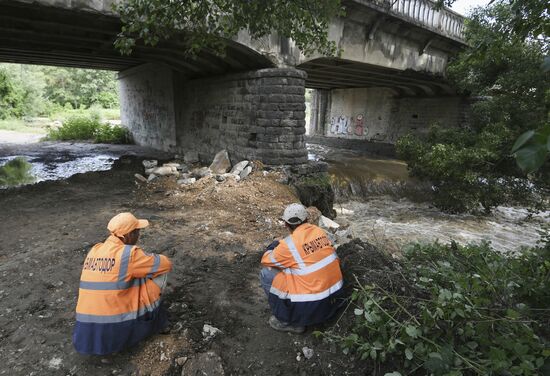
x=422 y=12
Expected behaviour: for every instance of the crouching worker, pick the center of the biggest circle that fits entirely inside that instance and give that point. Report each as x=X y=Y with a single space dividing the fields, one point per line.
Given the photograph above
x=301 y=275
x=120 y=288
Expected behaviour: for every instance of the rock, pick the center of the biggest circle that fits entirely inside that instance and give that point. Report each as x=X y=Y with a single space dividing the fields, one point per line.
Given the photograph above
x=183 y=168
x=208 y=363
x=140 y=178
x=151 y=163
x=201 y=172
x=187 y=181
x=221 y=178
x=165 y=171
x=244 y=173
x=221 y=163
x=191 y=157
x=172 y=164
x=151 y=178
x=239 y=167
x=327 y=223
x=208 y=331
x=181 y=361
x=149 y=171
x=308 y=353
x=344 y=233
x=313 y=215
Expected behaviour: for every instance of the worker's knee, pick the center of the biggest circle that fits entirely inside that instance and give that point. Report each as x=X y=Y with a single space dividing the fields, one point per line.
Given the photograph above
x=266 y=278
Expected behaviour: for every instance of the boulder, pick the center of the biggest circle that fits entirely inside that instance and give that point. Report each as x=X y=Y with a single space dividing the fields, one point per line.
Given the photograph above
x=151 y=163
x=140 y=178
x=221 y=163
x=237 y=169
x=165 y=171
x=244 y=173
x=201 y=172
x=191 y=157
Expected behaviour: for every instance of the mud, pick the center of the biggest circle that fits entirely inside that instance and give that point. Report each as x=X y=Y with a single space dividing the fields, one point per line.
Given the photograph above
x=212 y=231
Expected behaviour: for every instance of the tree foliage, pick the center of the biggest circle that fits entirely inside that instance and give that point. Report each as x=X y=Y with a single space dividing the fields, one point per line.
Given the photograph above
x=28 y=90
x=475 y=165
x=208 y=24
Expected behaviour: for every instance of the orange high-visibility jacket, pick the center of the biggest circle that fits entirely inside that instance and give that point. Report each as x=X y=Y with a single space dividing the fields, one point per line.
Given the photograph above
x=118 y=301
x=305 y=292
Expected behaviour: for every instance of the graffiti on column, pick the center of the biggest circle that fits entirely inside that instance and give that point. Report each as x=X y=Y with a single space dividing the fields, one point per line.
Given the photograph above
x=342 y=125
x=333 y=125
x=359 y=125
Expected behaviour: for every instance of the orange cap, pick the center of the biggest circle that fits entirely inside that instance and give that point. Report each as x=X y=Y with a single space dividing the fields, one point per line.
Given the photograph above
x=124 y=223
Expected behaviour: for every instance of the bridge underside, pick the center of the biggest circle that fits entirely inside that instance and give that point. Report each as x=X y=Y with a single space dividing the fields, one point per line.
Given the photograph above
x=328 y=73
x=49 y=35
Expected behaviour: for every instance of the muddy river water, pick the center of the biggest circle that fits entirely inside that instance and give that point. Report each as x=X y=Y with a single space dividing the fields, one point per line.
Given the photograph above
x=370 y=193
x=377 y=211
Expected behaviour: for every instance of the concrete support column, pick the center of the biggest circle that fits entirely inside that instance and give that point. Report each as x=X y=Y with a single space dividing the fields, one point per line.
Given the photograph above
x=147 y=105
x=254 y=115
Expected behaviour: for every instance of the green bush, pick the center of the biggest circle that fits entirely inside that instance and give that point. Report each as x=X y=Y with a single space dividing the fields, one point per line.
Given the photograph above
x=16 y=172
x=114 y=134
x=75 y=128
x=456 y=310
x=89 y=128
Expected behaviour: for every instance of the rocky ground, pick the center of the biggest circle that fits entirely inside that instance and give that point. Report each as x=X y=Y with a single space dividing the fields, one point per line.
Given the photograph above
x=213 y=231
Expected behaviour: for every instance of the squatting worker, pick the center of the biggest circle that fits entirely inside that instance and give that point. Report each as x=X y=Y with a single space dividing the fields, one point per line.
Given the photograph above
x=120 y=288
x=301 y=275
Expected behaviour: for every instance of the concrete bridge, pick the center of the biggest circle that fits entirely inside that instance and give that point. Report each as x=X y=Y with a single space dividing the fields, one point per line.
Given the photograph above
x=388 y=80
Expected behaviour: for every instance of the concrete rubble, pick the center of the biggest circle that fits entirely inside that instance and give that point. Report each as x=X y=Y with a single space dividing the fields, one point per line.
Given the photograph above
x=188 y=172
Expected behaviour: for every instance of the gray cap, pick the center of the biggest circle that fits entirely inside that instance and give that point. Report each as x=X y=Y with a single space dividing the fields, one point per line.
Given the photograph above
x=295 y=214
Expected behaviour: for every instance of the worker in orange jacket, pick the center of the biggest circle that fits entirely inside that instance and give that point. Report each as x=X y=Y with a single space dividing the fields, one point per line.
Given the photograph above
x=301 y=275
x=120 y=289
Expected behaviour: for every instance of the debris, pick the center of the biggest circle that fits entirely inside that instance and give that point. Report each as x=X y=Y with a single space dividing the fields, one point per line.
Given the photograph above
x=221 y=163
x=191 y=157
x=147 y=164
x=181 y=361
x=308 y=352
x=55 y=363
x=313 y=215
x=140 y=178
x=245 y=172
x=165 y=171
x=237 y=169
x=208 y=331
x=151 y=178
x=201 y=172
x=327 y=223
x=187 y=181
x=208 y=363
x=163 y=357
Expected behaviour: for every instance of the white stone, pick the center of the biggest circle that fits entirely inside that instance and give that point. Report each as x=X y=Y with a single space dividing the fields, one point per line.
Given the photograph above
x=147 y=164
x=187 y=181
x=221 y=163
x=140 y=178
x=55 y=363
x=181 y=361
x=244 y=173
x=165 y=171
x=308 y=353
x=171 y=164
x=327 y=223
x=151 y=178
x=239 y=167
x=209 y=331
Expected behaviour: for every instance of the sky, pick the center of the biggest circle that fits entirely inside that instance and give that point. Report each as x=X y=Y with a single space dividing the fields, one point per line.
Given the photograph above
x=462 y=6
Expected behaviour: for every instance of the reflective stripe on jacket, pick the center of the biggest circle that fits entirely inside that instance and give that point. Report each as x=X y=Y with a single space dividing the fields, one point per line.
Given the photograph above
x=307 y=289
x=118 y=302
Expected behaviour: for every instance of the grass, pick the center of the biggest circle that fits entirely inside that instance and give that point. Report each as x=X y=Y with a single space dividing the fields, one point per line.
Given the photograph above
x=18 y=125
x=16 y=172
x=90 y=127
x=103 y=113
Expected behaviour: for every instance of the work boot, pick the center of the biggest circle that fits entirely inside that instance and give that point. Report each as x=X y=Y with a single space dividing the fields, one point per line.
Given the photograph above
x=284 y=327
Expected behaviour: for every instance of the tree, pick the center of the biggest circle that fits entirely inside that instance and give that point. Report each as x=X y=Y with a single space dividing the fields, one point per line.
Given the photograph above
x=474 y=165
x=208 y=24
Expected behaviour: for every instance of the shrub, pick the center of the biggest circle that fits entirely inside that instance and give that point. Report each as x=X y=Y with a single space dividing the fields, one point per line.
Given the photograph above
x=75 y=128
x=114 y=134
x=90 y=128
x=16 y=172
x=456 y=310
